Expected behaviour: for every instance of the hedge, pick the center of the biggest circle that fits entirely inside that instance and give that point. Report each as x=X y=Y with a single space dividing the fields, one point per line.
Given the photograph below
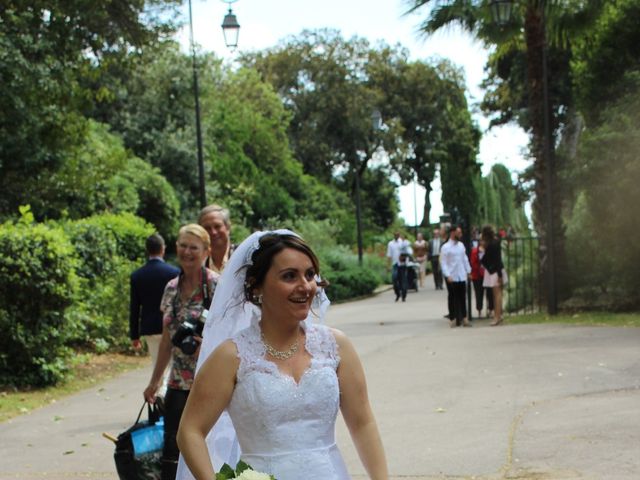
x=64 y=284
x=350 y=283
x=109 y=247
x=37 y=284
x=99 y=239
x=347 y=278
x=127 y=231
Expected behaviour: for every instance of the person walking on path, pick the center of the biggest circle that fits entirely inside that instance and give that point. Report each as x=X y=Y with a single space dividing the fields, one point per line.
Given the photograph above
x=477 y=278
x=147 y=285
x=420 y=248
x=395 y=249
x=492 y=262
x=184 y=305
x=433 y=255
x=445 y=244
x=456 y=269
x=217 y=222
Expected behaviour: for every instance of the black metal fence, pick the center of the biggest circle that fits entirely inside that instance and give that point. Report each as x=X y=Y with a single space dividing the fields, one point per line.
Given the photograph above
x=522 y=293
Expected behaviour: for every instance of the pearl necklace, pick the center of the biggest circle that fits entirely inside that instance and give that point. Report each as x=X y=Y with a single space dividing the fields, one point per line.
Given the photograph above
x=280 y=355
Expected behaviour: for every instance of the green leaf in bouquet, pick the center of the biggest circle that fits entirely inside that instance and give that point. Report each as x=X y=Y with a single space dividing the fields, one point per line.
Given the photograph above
x=225 y=473
x=241 y=467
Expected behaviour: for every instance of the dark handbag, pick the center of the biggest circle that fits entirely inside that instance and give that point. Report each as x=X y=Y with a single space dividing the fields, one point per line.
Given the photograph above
x=139 y=448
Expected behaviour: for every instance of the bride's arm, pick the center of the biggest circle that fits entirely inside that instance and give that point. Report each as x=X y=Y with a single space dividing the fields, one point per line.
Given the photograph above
x=356 y=410
x=210 y=394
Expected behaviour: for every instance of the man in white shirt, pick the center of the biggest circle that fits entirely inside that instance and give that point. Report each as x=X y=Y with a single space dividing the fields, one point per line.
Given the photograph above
x=456 y=270
x=397 y=250
x=443 y=248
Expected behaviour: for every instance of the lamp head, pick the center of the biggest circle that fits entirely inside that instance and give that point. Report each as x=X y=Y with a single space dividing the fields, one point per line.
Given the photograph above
x=376 y=120
x=501 y=11
x=230 y=29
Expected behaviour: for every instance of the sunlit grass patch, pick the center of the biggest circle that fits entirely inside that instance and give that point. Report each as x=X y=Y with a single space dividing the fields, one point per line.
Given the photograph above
x=602 y=319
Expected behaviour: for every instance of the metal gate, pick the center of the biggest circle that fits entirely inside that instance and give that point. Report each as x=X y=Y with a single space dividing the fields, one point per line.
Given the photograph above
x=522 y=292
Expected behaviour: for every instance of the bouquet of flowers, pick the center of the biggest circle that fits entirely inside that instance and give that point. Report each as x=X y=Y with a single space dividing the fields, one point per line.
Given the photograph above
x=242 y=472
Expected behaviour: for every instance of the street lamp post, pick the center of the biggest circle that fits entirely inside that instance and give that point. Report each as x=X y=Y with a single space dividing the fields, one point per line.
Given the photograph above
x=230 y=29
x=376 y=123
x=358 y=216
x=501 y=11
x=415 y=207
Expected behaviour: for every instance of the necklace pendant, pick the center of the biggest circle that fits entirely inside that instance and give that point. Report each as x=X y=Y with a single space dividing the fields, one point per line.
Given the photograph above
x=280 y=355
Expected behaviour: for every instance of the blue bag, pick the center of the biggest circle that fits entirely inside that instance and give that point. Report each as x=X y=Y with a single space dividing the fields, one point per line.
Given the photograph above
x=139 y=448
x=148 y=439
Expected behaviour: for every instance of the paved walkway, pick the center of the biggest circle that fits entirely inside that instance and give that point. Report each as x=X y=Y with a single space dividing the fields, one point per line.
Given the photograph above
x=519 y=402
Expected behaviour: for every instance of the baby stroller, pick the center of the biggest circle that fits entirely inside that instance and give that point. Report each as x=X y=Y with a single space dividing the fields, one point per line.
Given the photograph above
x=413 y=272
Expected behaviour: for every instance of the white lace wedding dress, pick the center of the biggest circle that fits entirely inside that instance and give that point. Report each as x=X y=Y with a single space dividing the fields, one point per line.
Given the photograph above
x=286 y=428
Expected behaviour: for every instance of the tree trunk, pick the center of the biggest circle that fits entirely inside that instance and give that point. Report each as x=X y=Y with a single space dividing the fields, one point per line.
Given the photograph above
x=534 y=30
x=534 y=37
x=426 y=214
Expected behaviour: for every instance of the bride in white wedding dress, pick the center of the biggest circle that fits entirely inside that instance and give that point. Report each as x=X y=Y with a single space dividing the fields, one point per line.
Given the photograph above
x=277 y=374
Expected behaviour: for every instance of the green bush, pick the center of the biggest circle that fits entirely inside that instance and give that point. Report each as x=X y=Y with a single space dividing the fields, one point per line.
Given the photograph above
x=518 y=258
x=378 y=264
x=96 y=247
x=157 y=201
x=350 y=283
x=320 y=234
x=110 y=247
x=238 y=233
x=37 y=284
x=347 y=279
x=603 y=227
x=102 y=176
x=99 y=318
x=127 y=231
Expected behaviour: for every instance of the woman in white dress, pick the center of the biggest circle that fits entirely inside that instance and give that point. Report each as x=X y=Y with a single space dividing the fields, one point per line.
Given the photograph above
x=280 y=376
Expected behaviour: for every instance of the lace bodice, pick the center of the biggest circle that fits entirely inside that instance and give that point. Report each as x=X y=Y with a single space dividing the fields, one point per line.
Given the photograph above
x=287 y=428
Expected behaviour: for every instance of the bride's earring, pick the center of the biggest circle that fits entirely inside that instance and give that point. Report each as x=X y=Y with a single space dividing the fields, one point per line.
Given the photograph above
x=257 y=299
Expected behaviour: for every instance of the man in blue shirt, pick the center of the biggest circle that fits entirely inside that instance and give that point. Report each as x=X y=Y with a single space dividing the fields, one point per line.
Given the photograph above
x=147 y=288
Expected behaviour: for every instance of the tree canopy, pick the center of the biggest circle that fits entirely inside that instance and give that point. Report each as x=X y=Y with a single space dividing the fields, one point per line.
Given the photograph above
x=44 y=46
x=332 y=86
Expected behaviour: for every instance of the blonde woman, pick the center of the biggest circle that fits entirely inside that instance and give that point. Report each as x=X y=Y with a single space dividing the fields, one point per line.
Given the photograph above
x=184 y=304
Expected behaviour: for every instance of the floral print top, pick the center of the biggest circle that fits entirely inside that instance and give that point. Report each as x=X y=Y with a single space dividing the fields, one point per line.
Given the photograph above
x=175 y=312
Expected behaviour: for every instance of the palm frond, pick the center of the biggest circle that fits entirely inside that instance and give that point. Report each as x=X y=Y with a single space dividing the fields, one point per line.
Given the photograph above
x=446 y=13
x=567 y=19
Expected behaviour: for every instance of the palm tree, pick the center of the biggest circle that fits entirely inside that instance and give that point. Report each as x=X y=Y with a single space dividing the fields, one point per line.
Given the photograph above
x=526 y=33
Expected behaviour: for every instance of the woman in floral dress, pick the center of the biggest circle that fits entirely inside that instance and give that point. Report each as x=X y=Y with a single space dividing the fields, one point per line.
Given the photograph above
x=184 y=304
